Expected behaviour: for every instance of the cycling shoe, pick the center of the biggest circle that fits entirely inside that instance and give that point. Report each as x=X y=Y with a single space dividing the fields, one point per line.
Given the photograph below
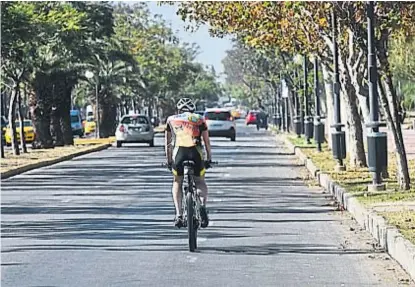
x=204 y=217
x=178 y=221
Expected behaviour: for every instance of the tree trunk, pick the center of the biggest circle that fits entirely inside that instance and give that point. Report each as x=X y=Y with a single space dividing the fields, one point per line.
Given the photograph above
x=68 y=82
x=3 y=103
x=55 y=114
x=328 y=86
x=40 y=109
x=12 y=120
x=402 y=175
x=55 y=127
x=355 y=144
x=291 y=109
x=108 y=115
x=2 y=145
x=391 y=105
x=356 y=67
x=150 y=107
x=21 y=120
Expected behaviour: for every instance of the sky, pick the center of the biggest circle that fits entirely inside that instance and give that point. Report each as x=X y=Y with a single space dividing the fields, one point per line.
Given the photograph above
x=212 y=50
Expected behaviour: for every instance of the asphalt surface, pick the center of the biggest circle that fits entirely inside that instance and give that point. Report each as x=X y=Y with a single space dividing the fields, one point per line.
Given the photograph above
x=106 y=219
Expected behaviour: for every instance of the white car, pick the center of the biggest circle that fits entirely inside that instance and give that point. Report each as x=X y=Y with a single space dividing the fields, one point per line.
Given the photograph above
x=134 y=129
x=220 y=123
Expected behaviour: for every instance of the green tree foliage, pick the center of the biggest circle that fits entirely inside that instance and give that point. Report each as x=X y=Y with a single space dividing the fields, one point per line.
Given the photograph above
x=303 y=28
x=136 y=59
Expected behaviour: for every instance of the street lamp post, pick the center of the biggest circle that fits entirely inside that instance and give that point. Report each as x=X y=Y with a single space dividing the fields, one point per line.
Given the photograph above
x=337 y=135
x=283 y=110
x=97 y=134
x=91 y=75
x=285 y=95
x=376 y=141
x=297 y=117
x=277 y=115
x=308 y=123
x=318 y=125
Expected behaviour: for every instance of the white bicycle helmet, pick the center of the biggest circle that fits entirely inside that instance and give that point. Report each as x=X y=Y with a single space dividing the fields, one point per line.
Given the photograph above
x=186 y=105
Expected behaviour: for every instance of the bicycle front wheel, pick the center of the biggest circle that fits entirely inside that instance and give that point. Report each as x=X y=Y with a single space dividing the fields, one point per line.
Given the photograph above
x=191 y=228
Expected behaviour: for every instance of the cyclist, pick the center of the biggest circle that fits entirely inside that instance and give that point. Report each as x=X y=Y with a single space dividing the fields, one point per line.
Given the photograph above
x=185 y=131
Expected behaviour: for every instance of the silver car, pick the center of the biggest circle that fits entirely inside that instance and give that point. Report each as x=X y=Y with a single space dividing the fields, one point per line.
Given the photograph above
x=134 y=129
x=220 y=123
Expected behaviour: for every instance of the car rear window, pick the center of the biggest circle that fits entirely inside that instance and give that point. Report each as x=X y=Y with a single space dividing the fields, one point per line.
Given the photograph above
x=74 y=119
x=25 y=123
x=218 y=116
x=135 y=120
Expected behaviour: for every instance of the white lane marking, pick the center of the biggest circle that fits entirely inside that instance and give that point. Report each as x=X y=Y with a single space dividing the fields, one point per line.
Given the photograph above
x=203 y=239
x=191 y=258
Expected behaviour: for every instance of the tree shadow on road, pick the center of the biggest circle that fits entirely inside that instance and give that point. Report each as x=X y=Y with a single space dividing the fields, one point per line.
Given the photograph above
x=111 y=229
x=286 y=248
x=245 y=250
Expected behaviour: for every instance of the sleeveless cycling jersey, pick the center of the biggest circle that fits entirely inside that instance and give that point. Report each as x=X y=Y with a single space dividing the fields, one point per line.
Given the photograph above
x=187 y=129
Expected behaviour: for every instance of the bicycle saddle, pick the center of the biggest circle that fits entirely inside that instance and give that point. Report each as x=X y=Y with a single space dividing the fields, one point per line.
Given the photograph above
x=189 y=163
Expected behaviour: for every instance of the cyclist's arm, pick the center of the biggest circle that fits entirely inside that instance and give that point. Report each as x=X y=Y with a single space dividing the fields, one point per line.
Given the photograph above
x=206 y=140
x=167 y=144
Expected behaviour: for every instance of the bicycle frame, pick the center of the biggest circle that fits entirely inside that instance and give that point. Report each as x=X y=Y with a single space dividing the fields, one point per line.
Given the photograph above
x=189 y=186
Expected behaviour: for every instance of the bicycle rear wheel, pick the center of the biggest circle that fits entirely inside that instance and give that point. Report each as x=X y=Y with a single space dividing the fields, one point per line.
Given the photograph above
x=191 y=228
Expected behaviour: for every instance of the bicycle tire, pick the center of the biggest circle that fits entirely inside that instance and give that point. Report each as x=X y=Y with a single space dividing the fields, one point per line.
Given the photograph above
x=191 y=229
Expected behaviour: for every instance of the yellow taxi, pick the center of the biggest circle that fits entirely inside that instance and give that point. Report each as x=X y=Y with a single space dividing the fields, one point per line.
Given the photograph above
x=29 y=132
x=236 y=113
x=89 y=127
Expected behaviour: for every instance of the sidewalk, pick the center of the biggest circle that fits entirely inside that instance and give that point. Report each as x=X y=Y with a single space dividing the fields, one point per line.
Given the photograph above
x=389 y=216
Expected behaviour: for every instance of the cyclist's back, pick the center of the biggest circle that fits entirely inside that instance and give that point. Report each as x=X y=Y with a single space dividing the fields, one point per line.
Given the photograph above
x=186 y=128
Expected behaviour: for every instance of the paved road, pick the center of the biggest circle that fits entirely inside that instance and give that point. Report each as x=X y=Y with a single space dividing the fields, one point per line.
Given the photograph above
x=105 y=219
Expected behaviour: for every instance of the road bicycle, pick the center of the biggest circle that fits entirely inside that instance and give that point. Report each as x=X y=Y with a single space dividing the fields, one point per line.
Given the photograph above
x=191 y=202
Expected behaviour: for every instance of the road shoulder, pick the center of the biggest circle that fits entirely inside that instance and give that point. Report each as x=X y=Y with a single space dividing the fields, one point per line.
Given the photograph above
x=387 y=236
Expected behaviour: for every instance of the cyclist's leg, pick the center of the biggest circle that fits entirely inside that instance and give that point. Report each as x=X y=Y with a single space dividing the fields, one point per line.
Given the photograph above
x=199 y=172
x=177 y=169
x=201 y=186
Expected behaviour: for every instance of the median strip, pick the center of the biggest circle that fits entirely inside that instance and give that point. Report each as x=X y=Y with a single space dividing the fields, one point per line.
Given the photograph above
x=389 y=216
x=13 y=165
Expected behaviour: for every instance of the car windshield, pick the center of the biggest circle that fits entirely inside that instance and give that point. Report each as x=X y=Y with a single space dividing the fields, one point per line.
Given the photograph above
x=218 y=116
x=134 y=120
x=74 y=119
x=25 y=123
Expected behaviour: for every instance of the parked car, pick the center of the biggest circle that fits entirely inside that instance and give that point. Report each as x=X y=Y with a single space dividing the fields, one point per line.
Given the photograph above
x=76 y=123
x=89 y=126
x=29 y=133
x=134 y=129
x=251 y=118
x=220 y=123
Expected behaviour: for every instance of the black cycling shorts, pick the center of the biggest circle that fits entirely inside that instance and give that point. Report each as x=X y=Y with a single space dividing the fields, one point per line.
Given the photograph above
x=181 y=154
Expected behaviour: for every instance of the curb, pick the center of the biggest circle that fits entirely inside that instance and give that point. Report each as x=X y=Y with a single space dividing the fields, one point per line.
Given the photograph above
x=388 y=237
x=25 y=168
